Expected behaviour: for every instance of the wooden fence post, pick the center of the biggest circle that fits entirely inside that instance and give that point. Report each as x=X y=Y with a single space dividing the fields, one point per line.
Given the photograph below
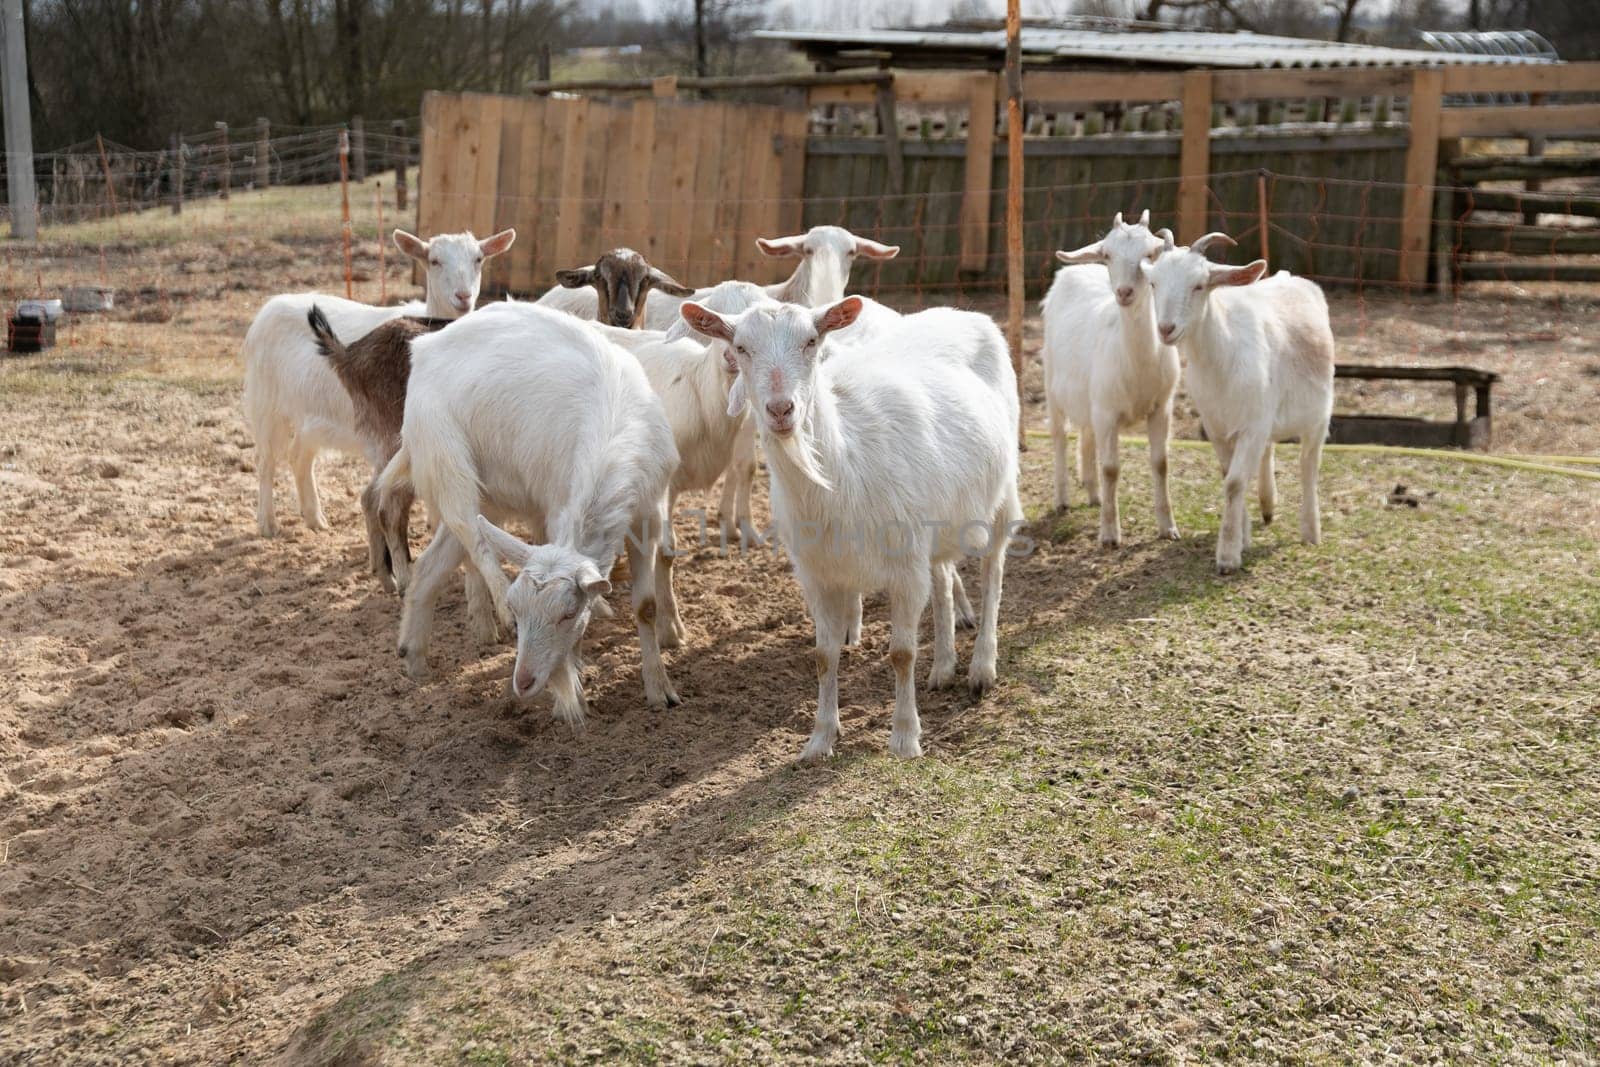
x=263 y=153
x=1015 y=281
x=976 y=191
x=664 y=87
x=358 y=149
x=227 y=160
x=344 y=206
x=176 y=170
x=1422 y=164
x=1194 y=164
x=105 y=168
x=893 y=157
x=402 y=162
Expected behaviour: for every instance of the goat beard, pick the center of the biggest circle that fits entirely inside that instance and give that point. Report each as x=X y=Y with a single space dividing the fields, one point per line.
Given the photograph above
x=801 y=449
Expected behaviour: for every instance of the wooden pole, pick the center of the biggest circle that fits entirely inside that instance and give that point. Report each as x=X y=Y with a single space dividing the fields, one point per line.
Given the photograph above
x=1422 y=165
x=105 y=168
x=358 y=148
x=1014 y=275
x=176 y=170
x=263 y=153
x=344 y=205
x=227 y=160
x=383 y=276
x=402 y=160
x=1261 y=211
x=20 y=188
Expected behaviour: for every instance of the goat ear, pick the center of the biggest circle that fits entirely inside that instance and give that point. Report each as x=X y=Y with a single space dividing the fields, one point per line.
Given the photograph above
x=575 y=277
x=1087 y=254
x=874 y=250
x=1244 y=275
x=668 y=284
x=493 y=246
x=1144 y=218
x=837 y=316
x=780 y=247
x=1199 y=247
x=507 y=549
x=705 y=322
x=737 y=401
x=411 y=244
x=591 y=581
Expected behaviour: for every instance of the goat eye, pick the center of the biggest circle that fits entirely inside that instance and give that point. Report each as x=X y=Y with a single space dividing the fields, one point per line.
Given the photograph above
x=433 y=262
x=1199 y=288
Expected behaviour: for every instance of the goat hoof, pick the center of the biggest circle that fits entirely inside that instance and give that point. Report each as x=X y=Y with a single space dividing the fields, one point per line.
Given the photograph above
x=816 y=751
x=942 y=679
x=1170 y=533
x=1225 y=569
x=1266 y=518
x=906 y=746
x=1110 y=541
x=979 y=684
x=967 y=621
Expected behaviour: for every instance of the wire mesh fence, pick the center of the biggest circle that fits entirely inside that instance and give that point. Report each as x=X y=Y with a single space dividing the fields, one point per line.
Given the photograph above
x=191 y=282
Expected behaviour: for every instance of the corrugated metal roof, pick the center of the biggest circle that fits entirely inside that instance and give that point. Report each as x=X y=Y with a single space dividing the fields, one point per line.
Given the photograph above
x=1186 y=48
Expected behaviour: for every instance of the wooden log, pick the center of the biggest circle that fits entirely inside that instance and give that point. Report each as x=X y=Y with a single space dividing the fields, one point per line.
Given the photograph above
x=1479 y=270
x=1528 y=240
x=1586 y=205
x=1521 y=168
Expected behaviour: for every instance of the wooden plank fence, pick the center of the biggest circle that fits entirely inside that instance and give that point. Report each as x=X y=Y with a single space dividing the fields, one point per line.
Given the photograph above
x=692 y=183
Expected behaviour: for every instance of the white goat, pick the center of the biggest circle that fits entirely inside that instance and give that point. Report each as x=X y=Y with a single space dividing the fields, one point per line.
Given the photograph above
x=1260 y=369
x=1105 y=369
x=293 y=401
x=826 y=254
x=883 y=461
x=522 y=411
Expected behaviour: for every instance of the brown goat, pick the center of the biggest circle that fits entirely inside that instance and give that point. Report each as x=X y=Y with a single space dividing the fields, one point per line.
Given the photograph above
x=374 y=370
x=623 y=279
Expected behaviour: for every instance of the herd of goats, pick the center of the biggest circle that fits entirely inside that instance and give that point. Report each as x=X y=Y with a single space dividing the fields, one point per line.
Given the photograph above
x=891 y=440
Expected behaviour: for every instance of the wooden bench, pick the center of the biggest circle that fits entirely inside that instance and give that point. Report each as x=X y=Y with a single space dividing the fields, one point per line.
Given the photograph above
x=1464 y=432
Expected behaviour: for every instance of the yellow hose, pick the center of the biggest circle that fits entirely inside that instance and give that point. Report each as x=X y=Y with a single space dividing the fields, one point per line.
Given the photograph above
x=1539 y=464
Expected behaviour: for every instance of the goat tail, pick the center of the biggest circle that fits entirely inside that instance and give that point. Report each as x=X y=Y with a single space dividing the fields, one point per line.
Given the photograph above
x=394 y=484
x=328 y=344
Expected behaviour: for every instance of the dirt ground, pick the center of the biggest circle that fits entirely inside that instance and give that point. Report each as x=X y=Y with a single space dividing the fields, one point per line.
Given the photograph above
x=224 y=807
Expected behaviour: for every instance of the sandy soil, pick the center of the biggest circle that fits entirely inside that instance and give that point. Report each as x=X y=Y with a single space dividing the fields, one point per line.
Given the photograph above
x=223 y=804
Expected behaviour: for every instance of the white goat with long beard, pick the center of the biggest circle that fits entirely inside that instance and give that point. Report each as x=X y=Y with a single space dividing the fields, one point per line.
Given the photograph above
x=1105 y=368
x=293 y=401
x=1260 y=369
x=518 y=411
x=884 y=459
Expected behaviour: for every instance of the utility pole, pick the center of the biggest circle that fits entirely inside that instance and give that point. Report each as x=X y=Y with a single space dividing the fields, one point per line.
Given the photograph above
x=19 y=125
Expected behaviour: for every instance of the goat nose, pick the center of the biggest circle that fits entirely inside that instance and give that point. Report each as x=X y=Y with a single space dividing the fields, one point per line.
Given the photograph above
x=463 y=295
x=525 y=680
x=780 y=409
x=1125 y=293
x=1166 y=329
